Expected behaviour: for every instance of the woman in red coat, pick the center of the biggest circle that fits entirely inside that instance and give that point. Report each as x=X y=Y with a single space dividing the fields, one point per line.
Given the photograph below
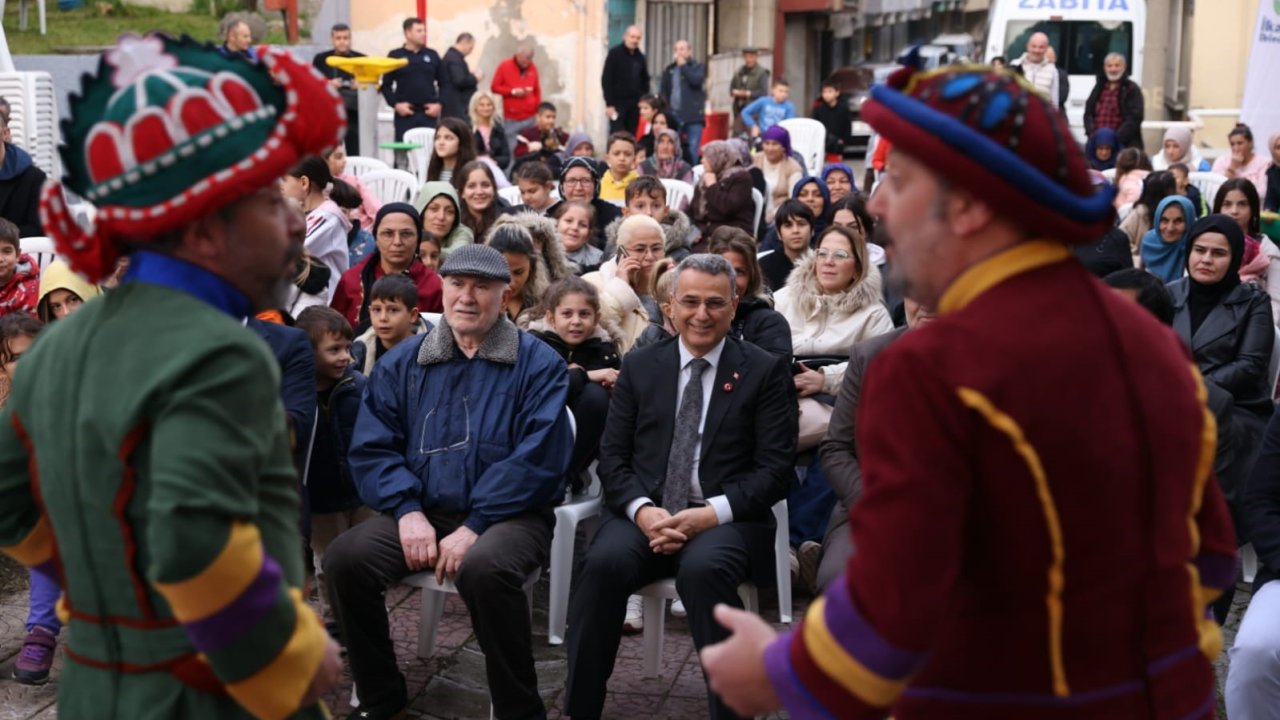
x=396 y=229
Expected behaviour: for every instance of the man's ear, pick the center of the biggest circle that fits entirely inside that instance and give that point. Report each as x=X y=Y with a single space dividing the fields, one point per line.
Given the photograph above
x=966 y=214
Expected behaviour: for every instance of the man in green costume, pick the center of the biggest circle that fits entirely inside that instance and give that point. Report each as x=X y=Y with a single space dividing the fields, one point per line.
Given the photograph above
x=144 y=455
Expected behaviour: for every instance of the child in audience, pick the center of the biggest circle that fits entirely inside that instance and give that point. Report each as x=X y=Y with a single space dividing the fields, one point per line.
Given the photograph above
x=573 y=225
x=1182 y=176
x=648 y=196
x=542 y=141
x=62 y=292
x=19 y=274
x=536 y=183
x=331 y=490
x=765 y=112
x=795 y=223
x=429 y=250
x=620 y=156
x=393 y=317
x=17 y=331
x=833 y=112
x=663 y=286
x=572 y=325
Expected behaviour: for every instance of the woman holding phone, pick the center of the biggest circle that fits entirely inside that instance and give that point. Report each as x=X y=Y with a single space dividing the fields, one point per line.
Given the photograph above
x=626 y=282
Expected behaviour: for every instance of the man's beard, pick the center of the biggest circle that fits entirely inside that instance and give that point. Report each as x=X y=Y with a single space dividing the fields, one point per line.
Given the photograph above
x=1115 y=77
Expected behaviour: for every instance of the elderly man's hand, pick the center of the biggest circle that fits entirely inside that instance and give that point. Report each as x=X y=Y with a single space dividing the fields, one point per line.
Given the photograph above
x=675 y=531
x=452 y=550
x=418 y=540
x=735 y=667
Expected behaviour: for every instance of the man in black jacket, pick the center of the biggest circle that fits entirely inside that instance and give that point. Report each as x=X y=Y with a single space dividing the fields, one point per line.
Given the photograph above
x=625 y=81
x=458 y=83
x=343 y=82
x=413 y=90
x=1116 y=102
x=697 y=448
x=20 y=185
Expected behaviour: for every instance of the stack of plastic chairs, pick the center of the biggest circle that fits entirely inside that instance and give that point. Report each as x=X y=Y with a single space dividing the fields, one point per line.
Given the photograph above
x=33 y=117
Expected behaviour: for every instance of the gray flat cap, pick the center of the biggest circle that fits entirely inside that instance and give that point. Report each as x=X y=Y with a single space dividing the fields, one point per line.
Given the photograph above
x=477 y=261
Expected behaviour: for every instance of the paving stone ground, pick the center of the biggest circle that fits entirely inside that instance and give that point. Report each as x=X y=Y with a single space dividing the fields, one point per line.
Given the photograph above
x=452 y=684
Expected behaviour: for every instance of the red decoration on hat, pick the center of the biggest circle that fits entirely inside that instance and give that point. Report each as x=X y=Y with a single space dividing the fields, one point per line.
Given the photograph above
x=104 y=153
x=149 y=135
x=197 y=113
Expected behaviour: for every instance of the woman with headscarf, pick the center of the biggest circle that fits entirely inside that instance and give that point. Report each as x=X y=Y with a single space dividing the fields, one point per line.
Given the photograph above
x=723 y=194
x=1102 y=148
x=1226 y=323
x=396 y=230
x=1164 y=246
x=665 y=162
x=839 y=180
x=1155 y=187
x=781 y=171
x=1178 y=148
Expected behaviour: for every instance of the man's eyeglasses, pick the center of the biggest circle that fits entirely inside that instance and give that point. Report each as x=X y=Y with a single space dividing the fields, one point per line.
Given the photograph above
x=833 y=254
x=713 y=304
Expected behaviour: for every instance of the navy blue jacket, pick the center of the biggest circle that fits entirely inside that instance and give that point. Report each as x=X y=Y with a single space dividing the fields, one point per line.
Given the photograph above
x=292 y=350
x=485 y=437
x=416 y=83
x=329 y=482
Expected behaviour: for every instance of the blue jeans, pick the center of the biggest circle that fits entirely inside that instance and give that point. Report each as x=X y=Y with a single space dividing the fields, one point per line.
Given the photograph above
x=694 y=131
x=44 y=596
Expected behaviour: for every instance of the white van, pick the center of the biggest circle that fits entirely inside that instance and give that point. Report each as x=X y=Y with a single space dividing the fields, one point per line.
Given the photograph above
x=1083 y=32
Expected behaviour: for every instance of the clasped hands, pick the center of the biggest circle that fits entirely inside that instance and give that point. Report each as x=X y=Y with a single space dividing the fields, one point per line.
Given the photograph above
x=669 y=533
x=421 y=551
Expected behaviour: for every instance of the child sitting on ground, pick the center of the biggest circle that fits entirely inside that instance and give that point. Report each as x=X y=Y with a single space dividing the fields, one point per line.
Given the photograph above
x=335 y=504
x=571 y=325
x=19 y=274
x=393 y=317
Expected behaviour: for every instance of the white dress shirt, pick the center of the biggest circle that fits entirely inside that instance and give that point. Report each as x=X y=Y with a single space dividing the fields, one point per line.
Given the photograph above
x=719 y=503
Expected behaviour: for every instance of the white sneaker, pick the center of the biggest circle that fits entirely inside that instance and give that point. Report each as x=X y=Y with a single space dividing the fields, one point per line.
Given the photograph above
x=677 y=608
x=634 y=621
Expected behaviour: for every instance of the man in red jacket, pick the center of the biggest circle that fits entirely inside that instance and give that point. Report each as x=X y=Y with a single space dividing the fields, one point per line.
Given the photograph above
x=516 y=80
x=1040 y=533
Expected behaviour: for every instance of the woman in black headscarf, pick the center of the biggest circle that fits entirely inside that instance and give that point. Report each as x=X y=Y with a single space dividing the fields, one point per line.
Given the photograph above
x=1226 y=323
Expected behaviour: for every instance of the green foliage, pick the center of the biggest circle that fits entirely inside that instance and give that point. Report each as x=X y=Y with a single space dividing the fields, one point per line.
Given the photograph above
x=88 y=29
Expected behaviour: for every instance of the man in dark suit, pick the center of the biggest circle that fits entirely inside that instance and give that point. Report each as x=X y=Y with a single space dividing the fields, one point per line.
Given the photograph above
x=689 y=478
x=459 y=82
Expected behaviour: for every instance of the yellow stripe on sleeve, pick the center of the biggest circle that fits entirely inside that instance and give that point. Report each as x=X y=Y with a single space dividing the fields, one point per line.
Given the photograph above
x=842 y=668
x=36 y=547
x=276 y=690
x=222 y=581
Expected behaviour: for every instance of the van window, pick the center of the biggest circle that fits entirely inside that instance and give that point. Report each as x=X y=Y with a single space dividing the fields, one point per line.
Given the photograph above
x=1082 y=45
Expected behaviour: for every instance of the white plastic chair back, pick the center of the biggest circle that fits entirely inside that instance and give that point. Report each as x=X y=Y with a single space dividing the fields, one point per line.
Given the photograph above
x=391 y=185
x=679 y=193
x=511 y=195
x=697 y=173
x=33 y=115
x=361 y=166
x=809 y=139
x=40 y=248
x=758 y=198
x=1207 y=183
x=420 y=158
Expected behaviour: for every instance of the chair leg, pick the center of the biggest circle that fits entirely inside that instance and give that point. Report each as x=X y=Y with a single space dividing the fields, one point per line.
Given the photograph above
x=44 y=28
x=429 y=621
x=781 y=547
x=750 y=597
x=561 y=577
x=655 y=617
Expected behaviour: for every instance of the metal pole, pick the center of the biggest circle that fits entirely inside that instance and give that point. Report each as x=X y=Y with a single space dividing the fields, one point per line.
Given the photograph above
x=368 y=98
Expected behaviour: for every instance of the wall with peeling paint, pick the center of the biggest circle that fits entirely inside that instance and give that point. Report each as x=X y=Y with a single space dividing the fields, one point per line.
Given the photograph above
x=568 y=35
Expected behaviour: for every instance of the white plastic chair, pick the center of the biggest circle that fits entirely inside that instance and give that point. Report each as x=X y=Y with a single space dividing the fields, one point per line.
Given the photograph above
x=1110 y=175
x=511 y=195
x=576 y=508
x=433 y=598
x=679 y=193
x=420 y=158
x=809 y=138
x=1207 y=183
x=361 y=166
x=656 y=595
x=1248 y=562
x=40 y=248
x=758 y=198
x=391 y=185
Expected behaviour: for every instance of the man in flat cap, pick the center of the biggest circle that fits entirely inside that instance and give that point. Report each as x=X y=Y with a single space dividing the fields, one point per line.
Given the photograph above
x=463 y=445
